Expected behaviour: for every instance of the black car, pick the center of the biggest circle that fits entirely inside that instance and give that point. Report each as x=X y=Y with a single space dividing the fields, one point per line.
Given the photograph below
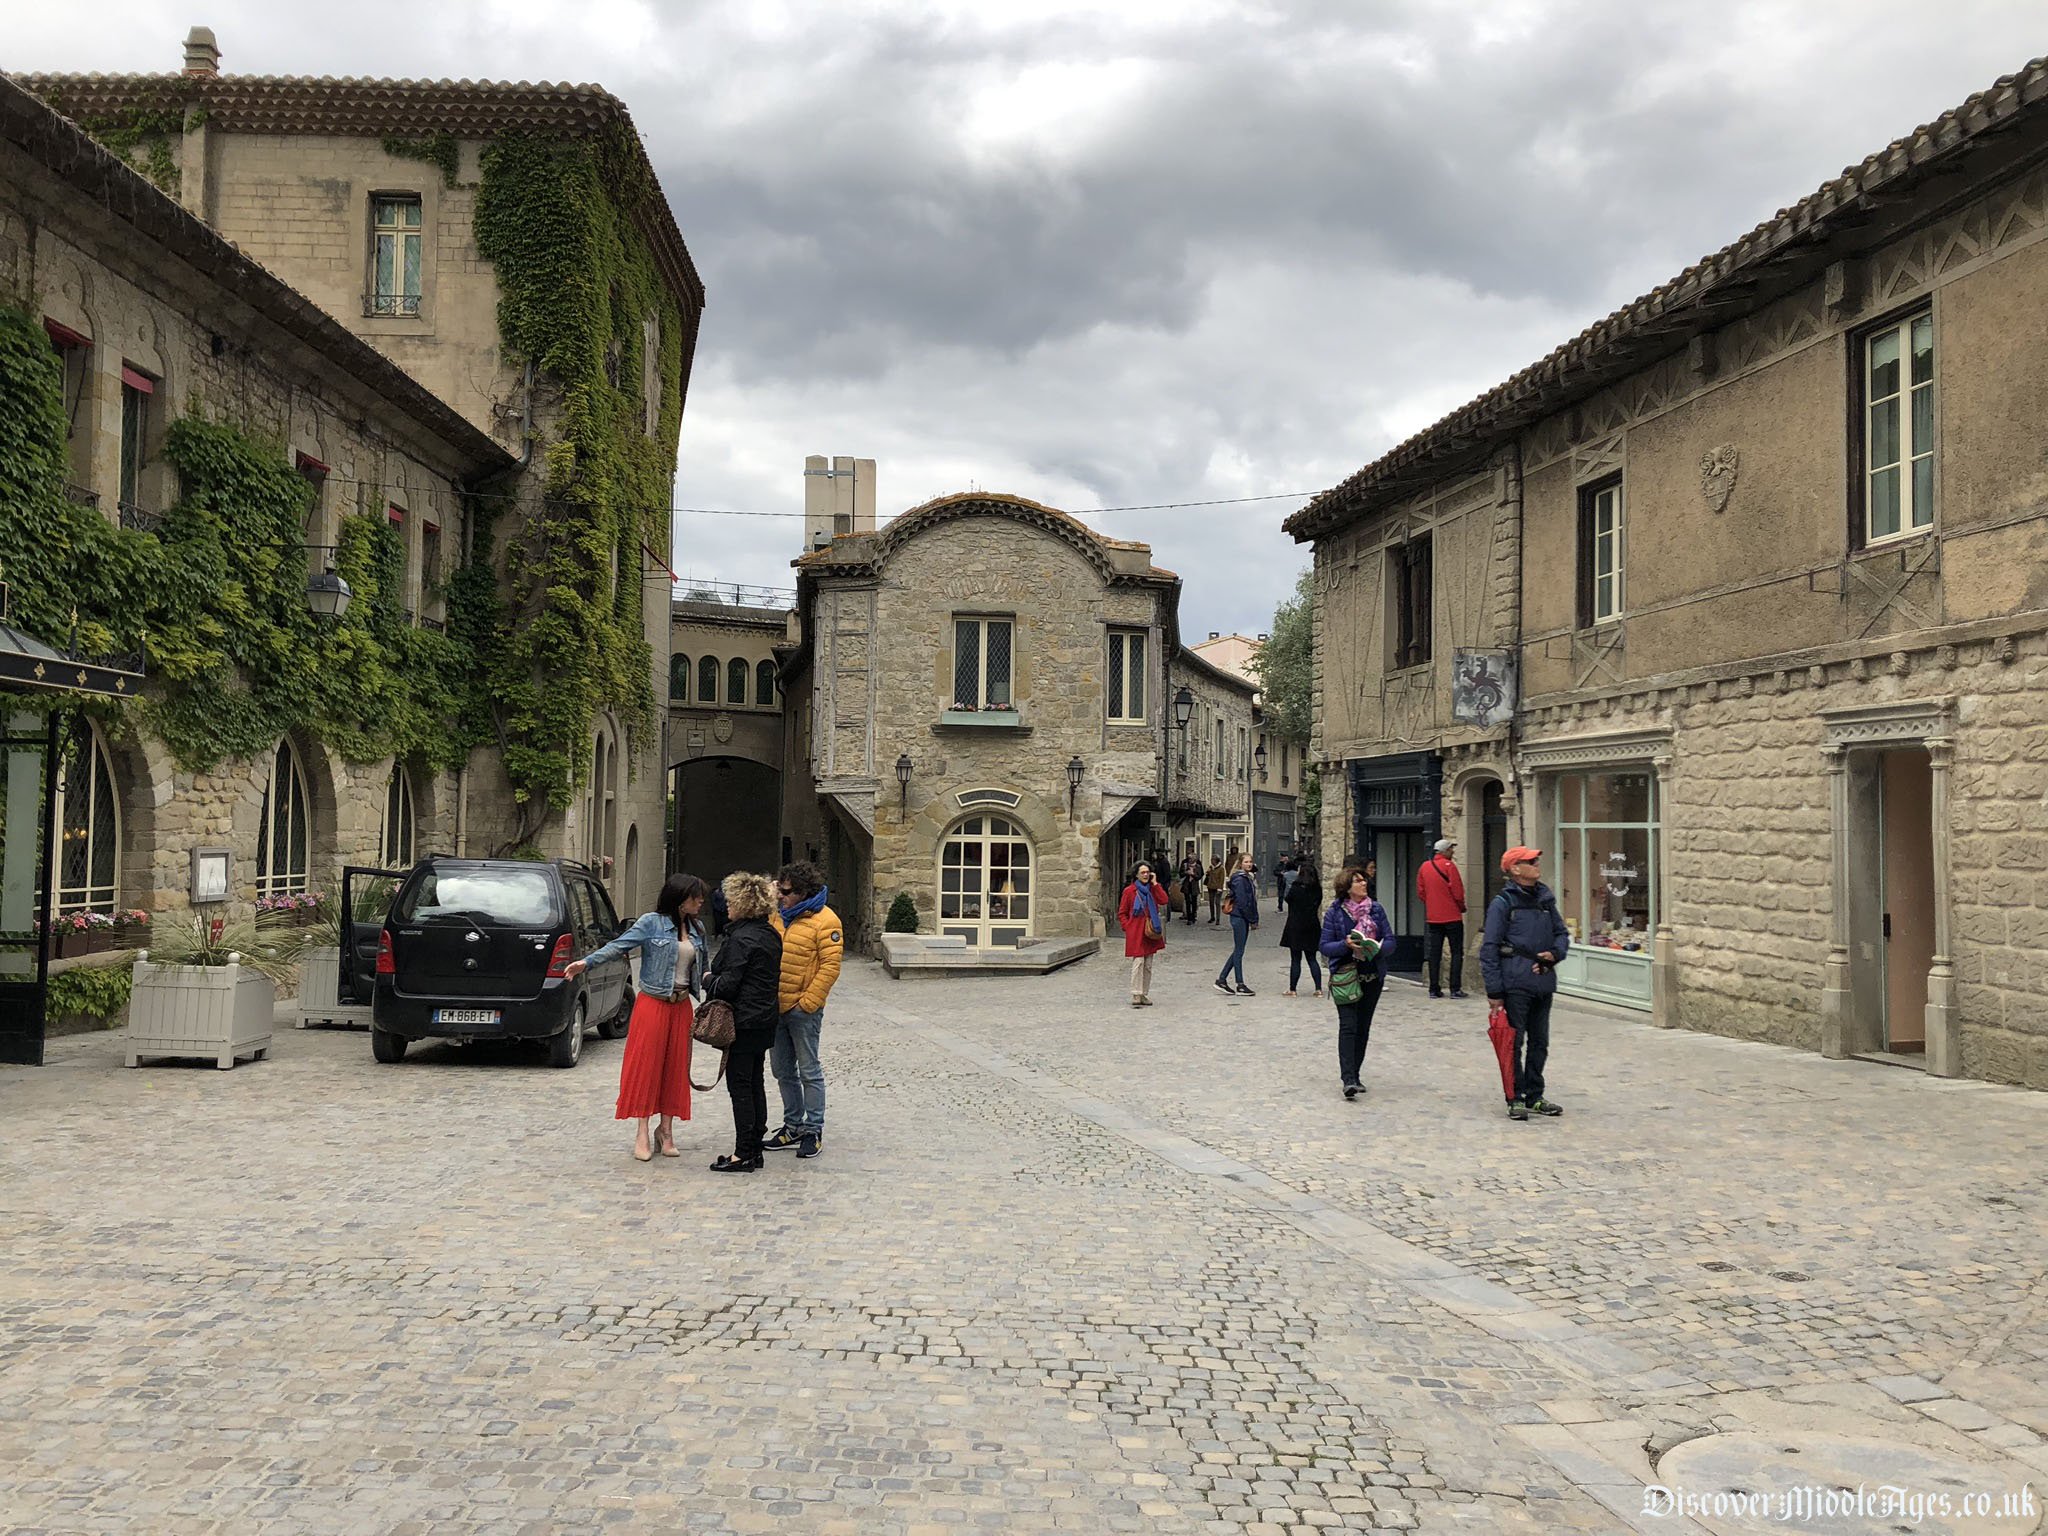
x=474 y=949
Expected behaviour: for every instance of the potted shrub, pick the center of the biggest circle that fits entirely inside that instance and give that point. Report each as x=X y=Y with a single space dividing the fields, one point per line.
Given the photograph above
x=902 y=916
x=207 y=987
x=88 y=997
x=319 y=954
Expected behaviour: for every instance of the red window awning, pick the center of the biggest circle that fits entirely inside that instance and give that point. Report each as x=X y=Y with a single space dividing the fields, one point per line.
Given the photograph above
x=63 y=335
x=308 y=465
x=141 y=383
x=396 y=514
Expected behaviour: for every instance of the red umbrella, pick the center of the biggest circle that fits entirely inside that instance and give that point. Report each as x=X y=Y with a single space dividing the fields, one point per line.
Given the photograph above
x=1502 y=1034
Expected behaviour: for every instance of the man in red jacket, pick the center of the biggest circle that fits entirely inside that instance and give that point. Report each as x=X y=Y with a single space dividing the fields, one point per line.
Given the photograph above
x=1441 y=890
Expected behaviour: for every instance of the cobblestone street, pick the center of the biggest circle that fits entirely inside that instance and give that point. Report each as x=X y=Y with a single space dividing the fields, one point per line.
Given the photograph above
x=1063 y=1266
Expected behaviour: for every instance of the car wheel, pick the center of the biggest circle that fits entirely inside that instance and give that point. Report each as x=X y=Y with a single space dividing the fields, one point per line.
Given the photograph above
x=614 y=1028
x=566 y=1049
x=386 y=1046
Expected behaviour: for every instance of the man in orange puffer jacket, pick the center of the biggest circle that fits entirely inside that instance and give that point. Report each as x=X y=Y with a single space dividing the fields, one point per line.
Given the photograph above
x=813 y=944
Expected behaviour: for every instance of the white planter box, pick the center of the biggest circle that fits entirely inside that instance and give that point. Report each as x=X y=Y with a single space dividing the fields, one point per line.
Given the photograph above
x=319 y=989
x=222 y=1011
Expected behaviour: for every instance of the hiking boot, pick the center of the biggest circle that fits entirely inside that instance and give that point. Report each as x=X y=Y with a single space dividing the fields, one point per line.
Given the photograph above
x=808 y=1145
x=1518 y=1111
x=1544 y=1107
x=781 y=1141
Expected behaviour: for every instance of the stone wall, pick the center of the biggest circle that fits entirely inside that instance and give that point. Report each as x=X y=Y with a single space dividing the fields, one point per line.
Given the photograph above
x=882 y=677
x=1213 y=787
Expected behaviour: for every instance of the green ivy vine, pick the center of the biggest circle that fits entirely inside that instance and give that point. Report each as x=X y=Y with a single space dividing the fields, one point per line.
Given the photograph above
x=440 y=150
x=216 y=600
x=575 y=281
x=95 y=992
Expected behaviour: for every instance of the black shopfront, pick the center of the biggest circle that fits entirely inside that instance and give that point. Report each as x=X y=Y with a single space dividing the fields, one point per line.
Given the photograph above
x=1396 y=814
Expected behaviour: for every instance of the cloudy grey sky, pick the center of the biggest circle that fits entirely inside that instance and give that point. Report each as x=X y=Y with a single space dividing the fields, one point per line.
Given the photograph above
x=1148 y=250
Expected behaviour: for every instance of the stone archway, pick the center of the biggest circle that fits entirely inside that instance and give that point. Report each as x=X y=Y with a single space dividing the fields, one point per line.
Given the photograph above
x=728 y=816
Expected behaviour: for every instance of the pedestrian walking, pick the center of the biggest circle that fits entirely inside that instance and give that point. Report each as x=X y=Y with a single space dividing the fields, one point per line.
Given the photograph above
x=1283 y=874
x=1241 y=897
x=1142 y=913
x=1441 y=890
x=1358 y=941
x=654 y=1072
x=1190 y=883
x=748 y=976
x=1525 y=938
x=813 y=945
x=1217 y=878
x=1301 y=931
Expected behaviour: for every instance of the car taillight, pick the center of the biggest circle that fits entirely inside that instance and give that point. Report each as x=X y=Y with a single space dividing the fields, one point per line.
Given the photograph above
x=387 y=964
x=558 y=962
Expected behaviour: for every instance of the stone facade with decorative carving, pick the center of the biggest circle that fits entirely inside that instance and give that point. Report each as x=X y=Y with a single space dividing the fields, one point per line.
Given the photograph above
x=981 y=702
x=1775 y=539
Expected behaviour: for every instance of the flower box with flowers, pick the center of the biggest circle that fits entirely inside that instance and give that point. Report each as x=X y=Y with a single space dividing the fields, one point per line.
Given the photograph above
x=91 y=933
x=291 y=909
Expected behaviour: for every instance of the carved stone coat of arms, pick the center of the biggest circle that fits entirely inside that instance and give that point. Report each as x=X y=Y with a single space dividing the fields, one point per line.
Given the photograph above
x=1717 y=475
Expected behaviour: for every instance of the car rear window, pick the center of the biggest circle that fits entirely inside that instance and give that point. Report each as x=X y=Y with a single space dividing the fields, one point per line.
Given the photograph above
x=515 y=898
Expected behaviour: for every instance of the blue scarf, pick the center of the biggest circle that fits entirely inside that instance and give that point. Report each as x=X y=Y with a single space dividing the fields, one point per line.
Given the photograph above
x=806 y=907
x=1148 y=904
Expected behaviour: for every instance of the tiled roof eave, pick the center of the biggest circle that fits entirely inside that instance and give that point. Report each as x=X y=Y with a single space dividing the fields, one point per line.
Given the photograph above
x=1769 y=260
x=371 y=108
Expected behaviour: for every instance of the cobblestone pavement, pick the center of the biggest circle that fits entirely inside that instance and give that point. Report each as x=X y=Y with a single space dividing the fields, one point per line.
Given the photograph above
x=1064 y=1266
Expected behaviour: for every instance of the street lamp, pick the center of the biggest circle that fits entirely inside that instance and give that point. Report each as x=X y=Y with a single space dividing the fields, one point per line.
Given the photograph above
x=1074 y=771
x=1259 y=757
x=1183 y=708
x=327 y=594
x=903 y=777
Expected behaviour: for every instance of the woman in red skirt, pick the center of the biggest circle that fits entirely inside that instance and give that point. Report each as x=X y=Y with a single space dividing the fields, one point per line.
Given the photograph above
x=654 y=1077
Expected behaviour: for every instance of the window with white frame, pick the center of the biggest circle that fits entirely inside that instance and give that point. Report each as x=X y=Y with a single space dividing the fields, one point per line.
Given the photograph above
x=982 y=662
x=1600 y=552
x=1898 y=429
x=88 y=854
x=395 y=245
x=283 y=838
x=1126 y=690
x=399 y=824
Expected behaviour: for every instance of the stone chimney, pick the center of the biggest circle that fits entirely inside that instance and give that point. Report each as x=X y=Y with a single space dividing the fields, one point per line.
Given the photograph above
x=202 y=53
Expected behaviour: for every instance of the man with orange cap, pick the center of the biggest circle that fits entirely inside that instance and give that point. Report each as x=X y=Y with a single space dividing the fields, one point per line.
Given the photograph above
x=1525 y=938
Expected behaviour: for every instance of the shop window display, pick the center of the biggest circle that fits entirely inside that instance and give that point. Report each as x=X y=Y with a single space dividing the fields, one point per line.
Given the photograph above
x=1605 y=859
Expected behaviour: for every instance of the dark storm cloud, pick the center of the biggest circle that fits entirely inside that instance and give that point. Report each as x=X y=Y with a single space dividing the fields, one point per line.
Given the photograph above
x=1143 y=251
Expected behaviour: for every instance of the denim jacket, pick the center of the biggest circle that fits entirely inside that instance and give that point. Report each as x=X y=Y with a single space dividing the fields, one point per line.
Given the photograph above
x=660 y=951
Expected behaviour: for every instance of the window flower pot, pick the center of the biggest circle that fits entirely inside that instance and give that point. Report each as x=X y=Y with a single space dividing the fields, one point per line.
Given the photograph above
x=222 y=1011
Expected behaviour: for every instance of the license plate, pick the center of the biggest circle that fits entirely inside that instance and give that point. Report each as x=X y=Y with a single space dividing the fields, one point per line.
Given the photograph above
x=465 y=1015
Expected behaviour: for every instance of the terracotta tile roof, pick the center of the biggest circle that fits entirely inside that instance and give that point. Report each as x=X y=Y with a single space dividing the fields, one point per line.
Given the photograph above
x=465 y=109
x=865 y=549
x=1779 y=254
x=108 y=183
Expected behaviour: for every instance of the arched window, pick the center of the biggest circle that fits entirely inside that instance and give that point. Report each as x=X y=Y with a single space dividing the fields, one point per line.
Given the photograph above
x=707 y=680
x=764 y=684
x=736 y=680
x=88 y=855
x=679 y=677
x=985 y=883
x=399 y=826
x=282 y=853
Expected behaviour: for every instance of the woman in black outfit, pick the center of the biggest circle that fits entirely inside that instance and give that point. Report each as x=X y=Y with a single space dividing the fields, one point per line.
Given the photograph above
x=1303 y=930
x=747 y=973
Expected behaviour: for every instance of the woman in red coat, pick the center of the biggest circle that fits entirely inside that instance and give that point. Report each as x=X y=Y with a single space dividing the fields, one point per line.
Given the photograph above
x=1142 y=912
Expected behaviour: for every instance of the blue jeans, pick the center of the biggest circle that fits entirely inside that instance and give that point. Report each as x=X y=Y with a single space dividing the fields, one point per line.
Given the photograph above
x=798 y=1072
x=1240 y=930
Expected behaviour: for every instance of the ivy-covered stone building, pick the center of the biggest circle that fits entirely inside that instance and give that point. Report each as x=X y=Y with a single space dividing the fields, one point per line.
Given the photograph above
x=506 y=252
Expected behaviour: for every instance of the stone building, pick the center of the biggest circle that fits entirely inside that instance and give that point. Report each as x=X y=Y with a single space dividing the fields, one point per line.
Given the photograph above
x=1763 y=553
x=727 y=738
x=435 y=220
x=1277 y=759
x=982 y=717
x=145 y=318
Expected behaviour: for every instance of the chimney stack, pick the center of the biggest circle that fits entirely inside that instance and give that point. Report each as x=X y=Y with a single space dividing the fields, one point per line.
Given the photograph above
x=202 y=53
x=1215 y=634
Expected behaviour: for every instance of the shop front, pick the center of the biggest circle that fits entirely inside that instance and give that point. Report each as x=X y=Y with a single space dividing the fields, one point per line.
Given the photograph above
x=1397 y=814
x=1601 y=819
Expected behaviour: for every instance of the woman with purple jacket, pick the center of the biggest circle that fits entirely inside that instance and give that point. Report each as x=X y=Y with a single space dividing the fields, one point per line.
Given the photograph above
x=1353 y=917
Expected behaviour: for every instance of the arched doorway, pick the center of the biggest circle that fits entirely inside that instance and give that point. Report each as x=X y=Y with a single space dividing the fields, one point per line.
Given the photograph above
x=728 y=816
x=985 y=890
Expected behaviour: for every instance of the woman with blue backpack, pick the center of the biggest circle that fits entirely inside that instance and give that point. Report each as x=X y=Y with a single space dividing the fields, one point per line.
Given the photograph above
x=1356 y=939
